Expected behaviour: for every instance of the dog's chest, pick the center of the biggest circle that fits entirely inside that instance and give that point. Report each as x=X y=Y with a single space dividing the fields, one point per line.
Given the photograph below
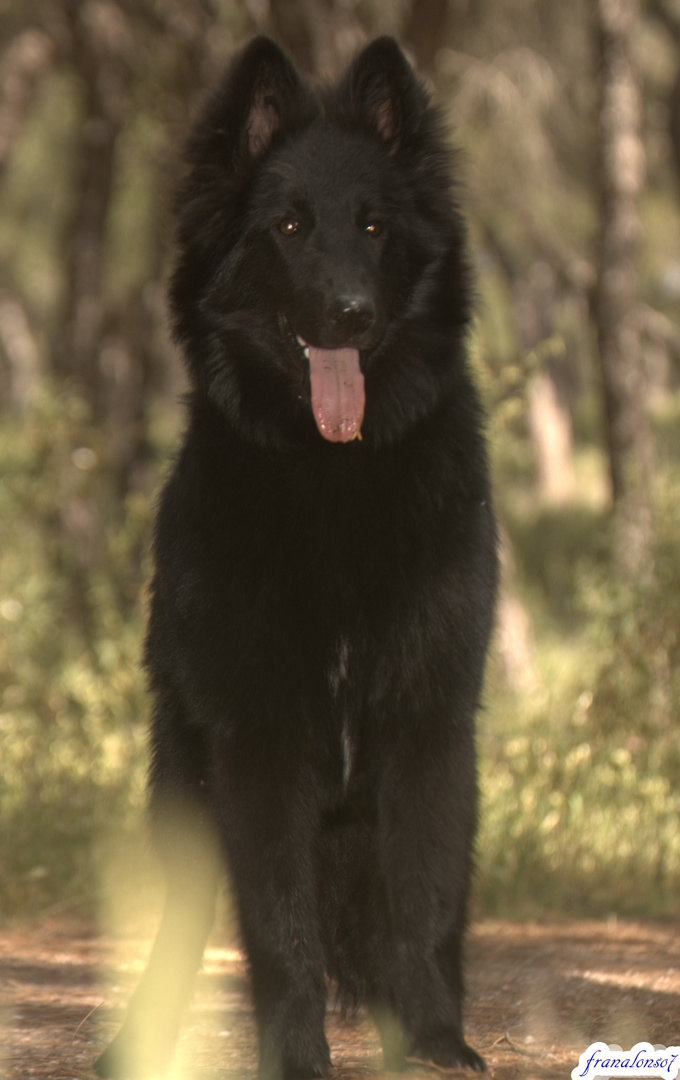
x=338 y=674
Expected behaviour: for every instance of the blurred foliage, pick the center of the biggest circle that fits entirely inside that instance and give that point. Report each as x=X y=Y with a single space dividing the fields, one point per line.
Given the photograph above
x=581 y=772
x=580 y=761
x=72 y=707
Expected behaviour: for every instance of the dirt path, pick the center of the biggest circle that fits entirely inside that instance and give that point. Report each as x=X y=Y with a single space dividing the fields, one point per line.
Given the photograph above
x=538 y=995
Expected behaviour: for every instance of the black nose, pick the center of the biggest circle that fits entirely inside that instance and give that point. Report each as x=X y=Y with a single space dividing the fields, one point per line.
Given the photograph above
x=351 y=315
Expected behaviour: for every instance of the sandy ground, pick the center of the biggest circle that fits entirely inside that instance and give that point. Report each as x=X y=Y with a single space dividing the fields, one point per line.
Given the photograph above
x=538 y=995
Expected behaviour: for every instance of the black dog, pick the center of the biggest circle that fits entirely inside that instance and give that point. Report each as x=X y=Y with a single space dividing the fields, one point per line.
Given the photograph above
x=325 y=570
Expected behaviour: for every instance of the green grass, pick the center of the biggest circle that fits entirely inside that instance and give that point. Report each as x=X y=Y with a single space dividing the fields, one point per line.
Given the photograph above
x=581 y=774
x=72 y=702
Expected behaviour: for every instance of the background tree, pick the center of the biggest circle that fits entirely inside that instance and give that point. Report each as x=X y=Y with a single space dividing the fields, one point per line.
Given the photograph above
x=622 y=178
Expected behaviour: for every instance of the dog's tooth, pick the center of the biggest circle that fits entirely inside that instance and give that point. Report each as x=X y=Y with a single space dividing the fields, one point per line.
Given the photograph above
x=303 y=345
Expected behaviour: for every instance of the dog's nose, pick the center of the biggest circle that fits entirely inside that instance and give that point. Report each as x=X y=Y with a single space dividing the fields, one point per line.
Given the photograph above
x=351 y=315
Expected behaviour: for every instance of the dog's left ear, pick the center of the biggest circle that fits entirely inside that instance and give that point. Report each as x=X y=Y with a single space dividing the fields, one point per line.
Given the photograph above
x=260 y=96
x=270 y=85
x=384 y=92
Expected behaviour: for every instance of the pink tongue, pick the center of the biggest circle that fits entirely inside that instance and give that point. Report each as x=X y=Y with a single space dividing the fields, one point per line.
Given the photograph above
x=338 y=396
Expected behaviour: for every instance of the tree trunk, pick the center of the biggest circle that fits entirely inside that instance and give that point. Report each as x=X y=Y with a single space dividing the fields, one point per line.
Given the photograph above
x=552 y=437
x=426 y=30
x=548 y=409
x=670 y=19
x=104 y=78
x=622 y=176
x=23 y=64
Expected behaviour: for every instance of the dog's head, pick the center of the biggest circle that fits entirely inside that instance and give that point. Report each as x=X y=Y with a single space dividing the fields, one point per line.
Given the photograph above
x=315 y=228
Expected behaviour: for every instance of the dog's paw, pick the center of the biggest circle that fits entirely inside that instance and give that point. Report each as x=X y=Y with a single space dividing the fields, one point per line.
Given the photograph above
x=315 y=1069
x=304 y=1057
x=446 y=1050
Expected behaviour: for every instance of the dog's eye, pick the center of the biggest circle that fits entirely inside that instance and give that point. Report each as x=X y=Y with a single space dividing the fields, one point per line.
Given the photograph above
x=289 y=226
x=374 y=228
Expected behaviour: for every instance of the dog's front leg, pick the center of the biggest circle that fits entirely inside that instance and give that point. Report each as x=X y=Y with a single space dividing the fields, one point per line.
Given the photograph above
x=265 y=794
x=426 y=824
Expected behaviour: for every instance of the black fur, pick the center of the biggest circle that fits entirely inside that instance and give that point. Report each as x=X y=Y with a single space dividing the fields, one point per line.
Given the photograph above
x=321 y=611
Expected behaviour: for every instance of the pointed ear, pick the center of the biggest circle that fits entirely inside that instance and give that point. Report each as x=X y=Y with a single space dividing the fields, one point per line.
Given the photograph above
x=260 y=95
x=269 y=88
x=384 y=92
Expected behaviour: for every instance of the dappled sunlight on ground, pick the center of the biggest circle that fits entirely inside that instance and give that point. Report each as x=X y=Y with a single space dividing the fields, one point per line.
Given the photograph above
x=539 y=994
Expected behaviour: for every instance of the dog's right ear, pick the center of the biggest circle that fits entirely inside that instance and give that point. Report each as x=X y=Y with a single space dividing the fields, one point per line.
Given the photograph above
x=269 y=86
x=260 y=96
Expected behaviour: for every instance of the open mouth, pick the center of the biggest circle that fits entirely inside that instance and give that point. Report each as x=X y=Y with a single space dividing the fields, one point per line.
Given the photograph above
x=337 y=385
